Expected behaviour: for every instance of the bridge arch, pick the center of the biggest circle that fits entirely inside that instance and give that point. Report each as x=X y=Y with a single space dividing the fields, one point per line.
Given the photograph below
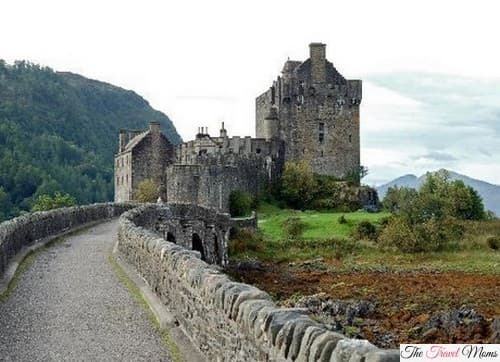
x=171 y=237
x=197 y=245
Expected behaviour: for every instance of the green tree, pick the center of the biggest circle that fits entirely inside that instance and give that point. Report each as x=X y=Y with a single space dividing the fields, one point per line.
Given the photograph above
x=240 y=203
x=298 y=184
x=47 y=202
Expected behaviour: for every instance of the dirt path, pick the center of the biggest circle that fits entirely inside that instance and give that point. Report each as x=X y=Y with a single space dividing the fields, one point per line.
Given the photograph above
x=70 y=305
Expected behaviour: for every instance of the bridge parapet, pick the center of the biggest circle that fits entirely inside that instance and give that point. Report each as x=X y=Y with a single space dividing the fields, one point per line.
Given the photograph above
x=22 y=231
x=226 y=320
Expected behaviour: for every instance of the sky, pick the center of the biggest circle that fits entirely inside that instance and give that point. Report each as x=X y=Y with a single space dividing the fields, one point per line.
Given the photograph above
x=430 y=69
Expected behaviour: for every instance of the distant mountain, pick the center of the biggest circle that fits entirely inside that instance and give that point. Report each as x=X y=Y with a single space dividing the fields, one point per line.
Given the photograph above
x=59 y=132
x=489 y=192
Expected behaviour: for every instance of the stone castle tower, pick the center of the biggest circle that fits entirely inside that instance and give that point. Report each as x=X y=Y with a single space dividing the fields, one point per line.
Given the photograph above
x=314 y=111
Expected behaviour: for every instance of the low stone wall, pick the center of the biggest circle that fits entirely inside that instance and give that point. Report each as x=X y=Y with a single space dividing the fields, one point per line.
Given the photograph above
x=24 y=230
x=230 y=321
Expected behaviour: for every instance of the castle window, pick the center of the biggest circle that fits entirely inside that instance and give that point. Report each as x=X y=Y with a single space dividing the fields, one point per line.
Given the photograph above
x=350 y=138
x=126 y=178
x=321 y=132
x=202 y=152
x=122 y=180
x=117 y=181
x=258 y=150
x=322 y=153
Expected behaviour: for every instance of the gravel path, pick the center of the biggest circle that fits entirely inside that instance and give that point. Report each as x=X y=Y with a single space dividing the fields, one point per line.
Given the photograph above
x=70 y=305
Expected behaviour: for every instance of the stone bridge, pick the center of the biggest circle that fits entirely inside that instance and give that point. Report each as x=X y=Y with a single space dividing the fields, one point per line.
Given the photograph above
x=80 y=298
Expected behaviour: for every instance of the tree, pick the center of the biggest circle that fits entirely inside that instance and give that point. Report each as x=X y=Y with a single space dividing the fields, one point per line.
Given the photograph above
x=298 y=184
x=240 y=203
x=428 y=219
x=148 y=190
x=356 y=175
x=47 y=202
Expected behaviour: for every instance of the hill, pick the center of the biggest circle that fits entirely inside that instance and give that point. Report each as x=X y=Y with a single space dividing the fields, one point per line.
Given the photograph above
x=59 y=132
x=489 y=192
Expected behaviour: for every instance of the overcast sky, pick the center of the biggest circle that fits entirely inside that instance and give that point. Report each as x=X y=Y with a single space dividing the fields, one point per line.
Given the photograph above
x=431 y=69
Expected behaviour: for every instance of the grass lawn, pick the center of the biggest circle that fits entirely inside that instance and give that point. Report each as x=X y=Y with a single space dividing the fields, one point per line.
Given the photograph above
x=319 y=225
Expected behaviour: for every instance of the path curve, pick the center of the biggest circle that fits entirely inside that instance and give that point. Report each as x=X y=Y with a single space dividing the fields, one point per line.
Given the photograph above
x=70 y=305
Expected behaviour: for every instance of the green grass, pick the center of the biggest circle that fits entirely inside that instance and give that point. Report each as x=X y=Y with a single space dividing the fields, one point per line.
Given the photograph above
x=130 y=285
x=325 y=238
x=318 y=225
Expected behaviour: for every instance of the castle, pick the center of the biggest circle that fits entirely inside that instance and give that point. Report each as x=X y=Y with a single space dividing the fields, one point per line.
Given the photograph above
x=310 y=113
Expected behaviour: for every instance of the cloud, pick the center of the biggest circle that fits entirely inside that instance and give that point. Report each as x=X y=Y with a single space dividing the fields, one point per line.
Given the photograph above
x=437 y=156
x=425 y=121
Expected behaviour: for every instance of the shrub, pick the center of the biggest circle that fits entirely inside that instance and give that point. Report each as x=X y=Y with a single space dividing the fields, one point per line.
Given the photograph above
x=493 y=242
x=244 y=240
x=293 y=228
x=365 y=230
x=240 y=203
x=148 y=191
x=398 y=234
x=342 y=247
x=342 y=220
x=431 y=235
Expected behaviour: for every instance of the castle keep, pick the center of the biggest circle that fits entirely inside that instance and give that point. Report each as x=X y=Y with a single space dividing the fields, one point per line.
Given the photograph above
x=310 y=113
x=314 y=111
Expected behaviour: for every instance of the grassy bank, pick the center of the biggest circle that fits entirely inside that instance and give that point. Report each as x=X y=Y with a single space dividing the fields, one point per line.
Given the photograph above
x=326 y=238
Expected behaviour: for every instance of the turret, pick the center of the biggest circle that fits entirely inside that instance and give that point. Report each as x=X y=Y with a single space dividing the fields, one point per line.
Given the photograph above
x=317 y=54
x=271 y=124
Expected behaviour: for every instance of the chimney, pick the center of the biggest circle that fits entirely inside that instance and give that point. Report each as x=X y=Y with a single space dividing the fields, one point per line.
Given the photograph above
x=317 y=54
x=223 y=132
x=122 y=140
x=154 y=127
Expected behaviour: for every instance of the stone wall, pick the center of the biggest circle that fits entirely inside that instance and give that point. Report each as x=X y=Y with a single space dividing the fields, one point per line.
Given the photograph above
x=230 y=321
x=210 y=182
x=24 y=230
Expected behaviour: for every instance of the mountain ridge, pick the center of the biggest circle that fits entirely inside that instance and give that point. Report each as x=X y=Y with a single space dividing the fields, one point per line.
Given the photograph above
x=59 y=132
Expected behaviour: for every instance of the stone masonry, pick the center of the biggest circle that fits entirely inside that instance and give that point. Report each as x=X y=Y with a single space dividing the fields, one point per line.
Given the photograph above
x=225 y=320
x=314 y=111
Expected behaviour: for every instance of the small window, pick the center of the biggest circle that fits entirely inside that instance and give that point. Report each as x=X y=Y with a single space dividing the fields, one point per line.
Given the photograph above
x=117 y=181
x=322 y=153
x=258 y=150
x=321 y=132
x=126 y=178
x=350 y=138
x=122 y=180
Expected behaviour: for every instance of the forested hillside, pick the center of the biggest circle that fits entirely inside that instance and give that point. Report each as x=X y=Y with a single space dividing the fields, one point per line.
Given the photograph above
x=58 y=132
